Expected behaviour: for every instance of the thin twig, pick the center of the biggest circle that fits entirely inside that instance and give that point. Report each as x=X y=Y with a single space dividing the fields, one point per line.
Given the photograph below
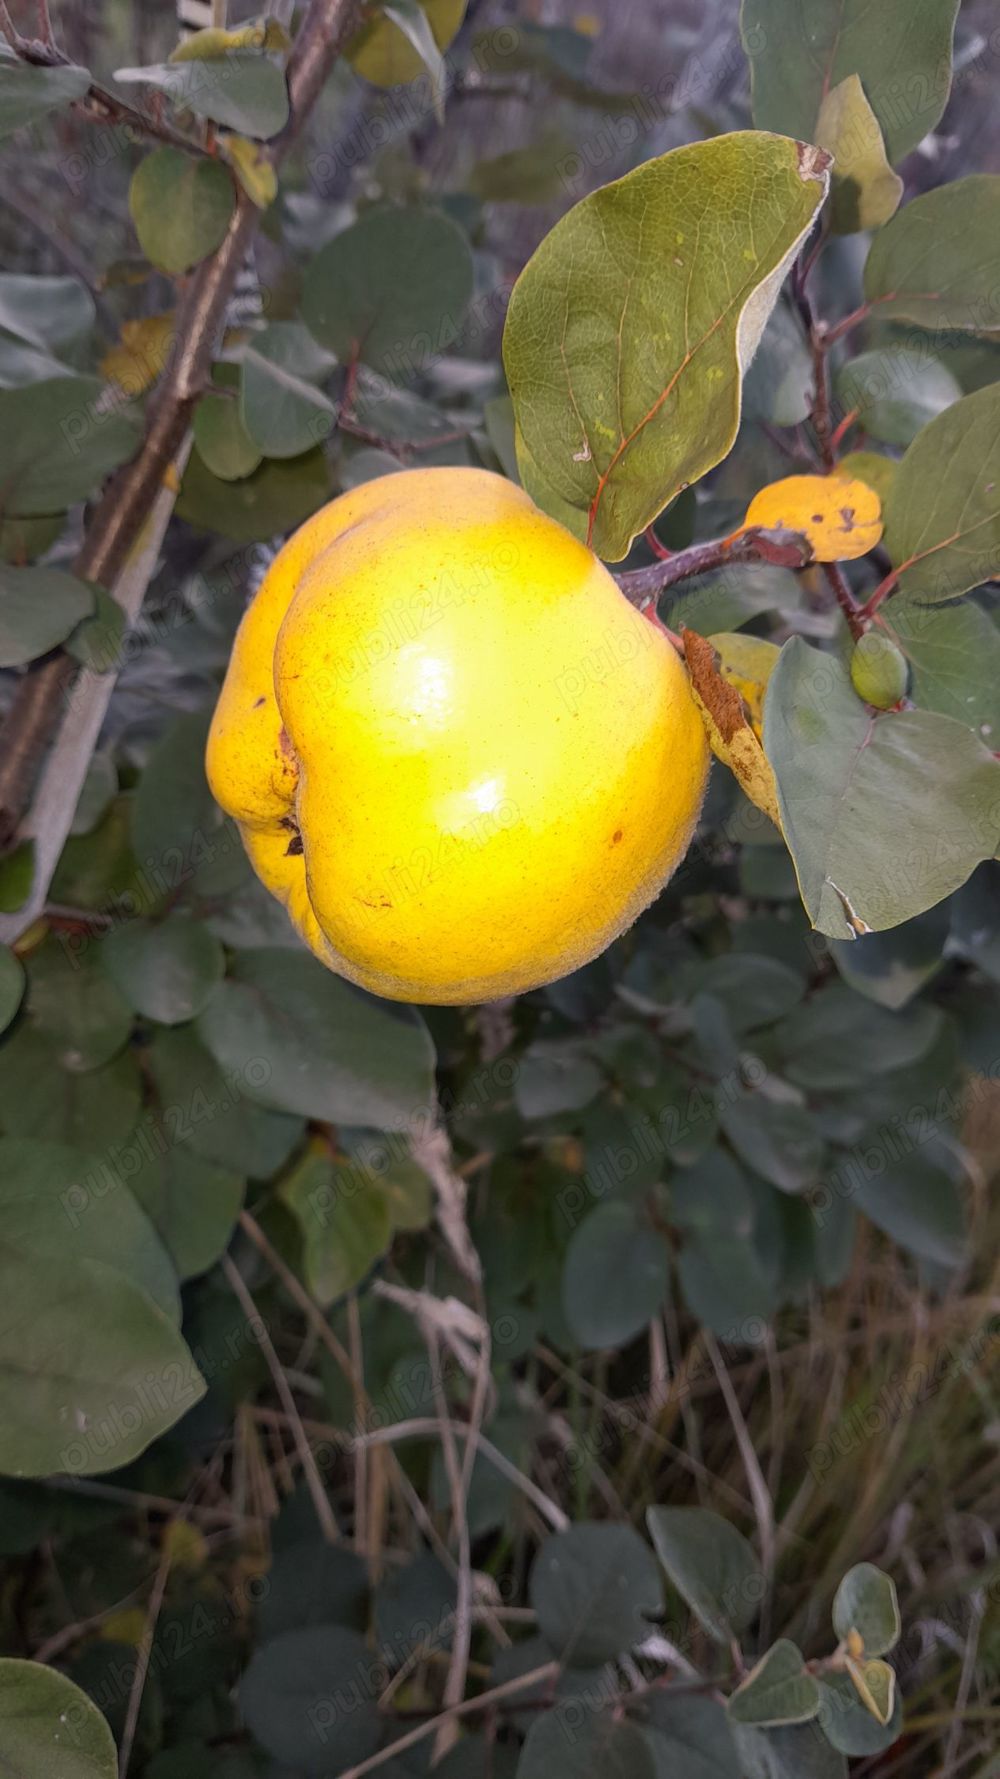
x=785 y=549
x=759 y=1494
x=484 y=1702
x=143 y=1656
x=854 y=615
x=314 y=1482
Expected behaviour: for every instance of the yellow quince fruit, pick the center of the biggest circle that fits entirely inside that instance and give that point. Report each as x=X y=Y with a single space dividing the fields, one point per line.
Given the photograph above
x=456 y=753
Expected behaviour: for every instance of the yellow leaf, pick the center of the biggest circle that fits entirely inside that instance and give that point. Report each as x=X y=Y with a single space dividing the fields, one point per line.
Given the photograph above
x=865 y=190
x=127 y=1626
x=213 y=43
x=840 y=516
x=875 y=1684
x=253 y=168
x=185 y=1546
x=727 y=724
x=382 y=54
x=747 y=663
x=141 y=353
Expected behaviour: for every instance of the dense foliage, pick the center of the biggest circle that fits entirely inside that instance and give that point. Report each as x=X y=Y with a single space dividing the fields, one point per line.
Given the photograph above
x=603 y=1382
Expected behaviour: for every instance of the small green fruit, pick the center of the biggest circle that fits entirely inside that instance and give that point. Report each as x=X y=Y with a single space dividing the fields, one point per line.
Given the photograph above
x=879 y=670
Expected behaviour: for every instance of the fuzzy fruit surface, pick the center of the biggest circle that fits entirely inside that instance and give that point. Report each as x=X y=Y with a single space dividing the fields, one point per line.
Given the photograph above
x=455 y=752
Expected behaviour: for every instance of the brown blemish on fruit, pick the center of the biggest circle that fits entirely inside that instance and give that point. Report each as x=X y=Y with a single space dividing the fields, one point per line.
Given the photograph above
x=616 y=836
x=261 y=700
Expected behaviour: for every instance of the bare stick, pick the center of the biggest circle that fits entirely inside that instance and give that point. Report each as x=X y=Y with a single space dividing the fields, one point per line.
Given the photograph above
x=520 y=1683
x=786 y=549
x=324 y=1512
x=144 y=1653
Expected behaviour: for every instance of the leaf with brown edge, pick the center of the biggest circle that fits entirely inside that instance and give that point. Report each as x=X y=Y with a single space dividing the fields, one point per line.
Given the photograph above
x=728 y=727
x=630 y=328
x=875 y=1683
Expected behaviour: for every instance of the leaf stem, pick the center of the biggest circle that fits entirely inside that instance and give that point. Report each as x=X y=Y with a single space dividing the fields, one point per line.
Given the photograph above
x=854 y=614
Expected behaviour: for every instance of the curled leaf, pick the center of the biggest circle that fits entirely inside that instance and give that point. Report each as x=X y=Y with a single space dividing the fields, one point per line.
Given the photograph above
x=747 y=663
x=875 y=1683
x=727 y=723
x=253 y=167
x=841 y=517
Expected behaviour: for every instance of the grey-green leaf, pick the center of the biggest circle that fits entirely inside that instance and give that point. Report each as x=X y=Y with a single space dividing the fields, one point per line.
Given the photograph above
x=615 y=1277
x=799 y=49
x=777 y=1690
x=595 y=1589
x=329 y=1050
x=711 y=1565
x=49 y=1727
x=91 y=1372
x=630 y=327
x=596 y=1748
x=28 y=93
x=954 y=657
x=167 y=970
x=281 y=408
x=58 y=439
x=309 y=1698
x=391 y=290
x=937 y=262
x=243 y=90
x=942 y=514
x=871 y=848
x=866 y=1602
x=895 y=391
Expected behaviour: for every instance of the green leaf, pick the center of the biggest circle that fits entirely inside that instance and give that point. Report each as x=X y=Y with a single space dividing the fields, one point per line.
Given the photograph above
x=794 y=1751
x=344 y=1219
x=937 y=262
x=871 y=847
x=866 y=191
x=210 y=1112
x=166 y=971
x=58 y=439
x=38 y=609
x=178 y=830
x=314 y=1584
x=192 y=1204
x=838 y=1040
x=615 y=1277
x=711 y=1565
x=755 y=991
x=594 y=1589
x=598 y=1747
x=281 y=409
x=96 y=642
x=896 y=390
x=309 y=1698
x=58 y=1201
x=244 y=91
x=392 y=47
x=555 y=1076
x=779 y=383
x=50 y=1727
x=777 y=1690
x=391 y=290
x=914 y=1200
x=777 y=1138
x=411 y=19
x=846 y=1722
x=94 y=1110
x=942 y=517
x=91 y=1372
x=689 y=1736
x=954 y=657
x=48 y=312
x=11 y=985
x=332 y=1051
x=629 y=329
x=276 y=497
x=73 y=1006
x=890 y=968
x=223 y=443
x=799 y=49
x=180 y=207
x=725 y=1286
x=28 y=93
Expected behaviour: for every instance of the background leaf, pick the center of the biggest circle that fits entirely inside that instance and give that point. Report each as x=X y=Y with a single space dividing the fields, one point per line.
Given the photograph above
x=48 y=1725
x=180 y=207
x=937 y=262
x=615 y=1277
x=711 y=1565
x=595 y=1589
x=944 y=503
